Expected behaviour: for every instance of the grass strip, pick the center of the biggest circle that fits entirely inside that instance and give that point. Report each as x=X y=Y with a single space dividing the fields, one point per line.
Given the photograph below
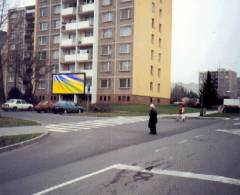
x=223 y=115
x=13 y=139
x=13 y=122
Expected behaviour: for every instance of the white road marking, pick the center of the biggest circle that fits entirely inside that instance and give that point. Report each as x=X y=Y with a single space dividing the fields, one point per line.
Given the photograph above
x=58 y=130
x=161 y=149
x=198 y=136
x=230 y=131
x=236 y=119
x=236 y=124
x=183 y=141
x=190 y=175
x=181 y=174
x=93 y=124
x=74 y=180
x=226 y=119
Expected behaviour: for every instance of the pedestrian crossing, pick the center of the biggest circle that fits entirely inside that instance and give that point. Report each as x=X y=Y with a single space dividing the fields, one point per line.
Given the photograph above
x=93 y=124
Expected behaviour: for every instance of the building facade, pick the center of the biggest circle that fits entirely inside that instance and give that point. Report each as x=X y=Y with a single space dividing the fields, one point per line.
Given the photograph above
x=122 y=46
x=238 y=87
x=225 y=82
x=19 y=44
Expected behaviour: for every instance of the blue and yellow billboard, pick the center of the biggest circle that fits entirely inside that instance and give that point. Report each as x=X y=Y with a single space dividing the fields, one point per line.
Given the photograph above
x=70 y=83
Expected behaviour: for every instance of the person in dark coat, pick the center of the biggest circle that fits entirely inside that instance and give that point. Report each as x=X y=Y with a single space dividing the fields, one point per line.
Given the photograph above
x=152 y=119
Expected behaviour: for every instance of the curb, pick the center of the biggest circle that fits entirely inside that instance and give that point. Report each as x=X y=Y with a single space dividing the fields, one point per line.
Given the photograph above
x=17 y=145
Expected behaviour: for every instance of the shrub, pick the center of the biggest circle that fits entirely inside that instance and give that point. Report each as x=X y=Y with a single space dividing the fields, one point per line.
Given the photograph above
x=14 y=93
x=231 y=109
x=100 y=108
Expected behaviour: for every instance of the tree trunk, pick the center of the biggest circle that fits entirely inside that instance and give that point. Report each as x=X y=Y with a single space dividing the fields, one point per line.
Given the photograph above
x=2 y=96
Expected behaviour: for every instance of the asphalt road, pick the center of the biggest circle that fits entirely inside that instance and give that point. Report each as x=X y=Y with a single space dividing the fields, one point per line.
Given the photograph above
x=183 y=158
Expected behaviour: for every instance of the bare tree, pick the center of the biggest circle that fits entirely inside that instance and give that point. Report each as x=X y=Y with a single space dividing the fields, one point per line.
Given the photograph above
x=3 y=19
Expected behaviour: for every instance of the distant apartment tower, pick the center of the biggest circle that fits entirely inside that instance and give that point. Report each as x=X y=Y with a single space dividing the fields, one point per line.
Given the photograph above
x=238 y=87
x=46 y=43
x=3 y=50
x=225 y=82
x=20 y=37
x=123 y=47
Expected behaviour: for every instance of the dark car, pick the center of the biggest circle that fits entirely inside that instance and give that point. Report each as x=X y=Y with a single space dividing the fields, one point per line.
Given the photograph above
x=44 y=106
x=66 y=106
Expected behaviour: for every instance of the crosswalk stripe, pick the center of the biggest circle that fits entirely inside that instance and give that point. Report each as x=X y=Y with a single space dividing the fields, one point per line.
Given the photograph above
x=93 y=124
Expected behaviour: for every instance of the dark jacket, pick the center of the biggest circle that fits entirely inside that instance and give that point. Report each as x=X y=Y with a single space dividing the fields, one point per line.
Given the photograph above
x=152 y=118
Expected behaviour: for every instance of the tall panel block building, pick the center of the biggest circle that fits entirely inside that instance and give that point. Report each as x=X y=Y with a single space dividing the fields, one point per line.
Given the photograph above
x=123 y=47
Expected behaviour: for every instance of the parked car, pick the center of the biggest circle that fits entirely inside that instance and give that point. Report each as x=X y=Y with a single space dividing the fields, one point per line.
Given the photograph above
x=66 y=106
x=16 y=104
x=44 y=106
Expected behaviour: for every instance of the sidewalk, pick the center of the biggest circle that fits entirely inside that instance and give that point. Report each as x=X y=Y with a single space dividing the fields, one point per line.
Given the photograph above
x=22 y=130
x=188 y=115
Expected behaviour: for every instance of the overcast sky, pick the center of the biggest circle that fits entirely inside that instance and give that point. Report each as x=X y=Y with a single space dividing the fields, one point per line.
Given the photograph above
x=206 y=36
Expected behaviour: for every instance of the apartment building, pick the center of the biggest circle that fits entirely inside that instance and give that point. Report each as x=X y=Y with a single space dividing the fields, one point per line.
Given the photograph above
x=122 y=46
x=225 y=82
x=46 y=43
x=3 y=55
x=238 y=87
x=19 y=44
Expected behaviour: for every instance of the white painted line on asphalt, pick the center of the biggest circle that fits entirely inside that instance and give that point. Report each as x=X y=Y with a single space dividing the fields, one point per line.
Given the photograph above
x=57 y=130
x=236 y=124
x=230 y=131
x=183 y=141
x=226 y=119
x=182 y=174
x=198 y=136
x=161 y=149
x=236 y=119
x=53 y=188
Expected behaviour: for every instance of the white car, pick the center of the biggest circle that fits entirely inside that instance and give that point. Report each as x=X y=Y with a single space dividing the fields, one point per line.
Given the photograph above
x=16 y=104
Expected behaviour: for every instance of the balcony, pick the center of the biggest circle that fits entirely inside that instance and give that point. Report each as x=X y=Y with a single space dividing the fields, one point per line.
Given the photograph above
x=82 y=57
x=69 y=58
x=89 y=73
x=70 y=26
x=68 y=11
x=86 y=41
x=88 y=8
x=85 y=24
x=68 y=42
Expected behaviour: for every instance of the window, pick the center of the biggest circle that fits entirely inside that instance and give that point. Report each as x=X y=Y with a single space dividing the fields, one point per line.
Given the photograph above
x=124 y=65
x=159 y=72
x=43 y=26
x=160 y=28
x=151 y=70
x=159 y=57
x=55 y=54
x=42 y=40
x=56 y=39
x=152 y=39
x=105 y=83
x=56 y=9
x=125 y=31
x=56 y=24
x=107 y=33
x=151 y=86
x=105 y=67
x=160 y=12
x=125 y=14
x=124 y=83
x=124 y=48
x=43 y=11
x=159 y=42
x=153 y=7
x=43 y=2
x=43 y=55
x=153 y=23
x=54 y=68
x=41 y=84
x=152 y=55
x=106 y=50
x=158 y=87
x=107 y=17
x=106 y=2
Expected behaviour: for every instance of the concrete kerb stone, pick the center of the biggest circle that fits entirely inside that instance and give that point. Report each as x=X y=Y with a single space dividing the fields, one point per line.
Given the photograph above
x=23 y=143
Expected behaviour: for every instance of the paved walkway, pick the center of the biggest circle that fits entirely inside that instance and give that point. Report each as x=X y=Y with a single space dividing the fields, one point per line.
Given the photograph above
x=22 y=130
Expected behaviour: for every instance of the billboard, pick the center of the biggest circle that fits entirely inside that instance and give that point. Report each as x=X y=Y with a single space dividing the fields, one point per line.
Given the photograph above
x=70 y=83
